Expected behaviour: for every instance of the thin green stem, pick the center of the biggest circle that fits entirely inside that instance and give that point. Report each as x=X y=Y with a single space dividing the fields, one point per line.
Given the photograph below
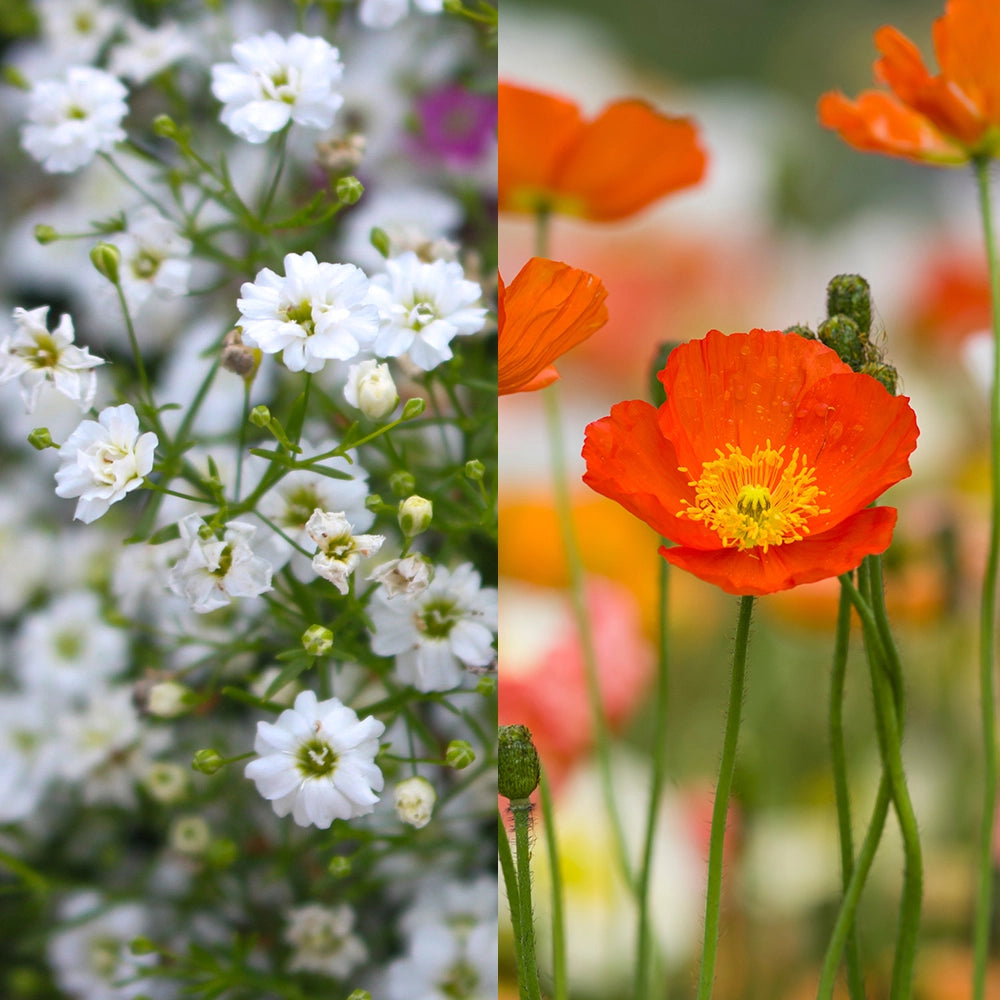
x=720 y=810
x=577 y=588
x=657 y=781
x=987 y=628
x=559 y=977
x=510 y=884
x=140 y=367
x=528 y=970
x=838 y=758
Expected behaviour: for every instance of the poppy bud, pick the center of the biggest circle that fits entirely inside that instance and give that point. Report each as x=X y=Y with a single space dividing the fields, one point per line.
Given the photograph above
x=841 y=334
x=849 y=295
x=884 y=373
x=801 y=330
x=518 y=770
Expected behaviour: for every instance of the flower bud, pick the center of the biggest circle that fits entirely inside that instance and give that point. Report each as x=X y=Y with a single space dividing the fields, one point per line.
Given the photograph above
x=317 y=640
x=415 y=515
x=222 y=852
x=260 y=416
x=379 y=239
x=849 y=295
x=371 y=389
x=45 y=234
x=518 y=769
x=402 y=483
x=413 y=408
x=349 y=190
x=884 y=373
x=239 y=358
x=841 y=334
x=475 y=470
x=414 y=800
x=106 y=257
x=459 y=754
x=165 y=127
x=801 y=330
x=339 y=866
x=40 y=438
x=373 y=502
x=208 y=761
x=168 y=699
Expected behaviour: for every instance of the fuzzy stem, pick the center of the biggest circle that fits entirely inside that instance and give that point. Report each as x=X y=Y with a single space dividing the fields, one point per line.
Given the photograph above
x=528 y=970
x=559 y=977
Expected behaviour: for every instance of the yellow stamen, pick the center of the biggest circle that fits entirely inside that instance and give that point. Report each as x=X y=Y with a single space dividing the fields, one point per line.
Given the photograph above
x=757 y=501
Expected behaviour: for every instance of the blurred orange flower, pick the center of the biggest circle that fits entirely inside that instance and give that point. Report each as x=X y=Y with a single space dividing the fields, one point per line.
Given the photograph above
x=549 y=308
x=551 y=160
x=946 y=119
x=761 y=463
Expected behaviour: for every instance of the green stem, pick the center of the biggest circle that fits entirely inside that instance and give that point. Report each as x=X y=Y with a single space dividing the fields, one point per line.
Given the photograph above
x=559 y=977
x=657 y=781
x=838 y=758
x=987 y=633
x=510 y=883
x=528 y=970
x=720 y=810
x=577 y=588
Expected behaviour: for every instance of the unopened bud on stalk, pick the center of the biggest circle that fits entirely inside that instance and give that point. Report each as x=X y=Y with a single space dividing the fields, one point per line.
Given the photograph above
x=106 y=257
x=40 y=438
x=415 y=515
x=317 y=640
x=518 y=770
x=371 y=389
x=165 y=127
x=339 y=866
x=239 y=358
x=260 y=416
x=380 y=240
x=414 y=800
x=802 y=330
x=208 y=761
x=349 y=190
x=413 y=408
x=402 y=483
x=849 y=295
x=45 y=234
x=883 y=373
x=459 y=754
x=475 y=470
x=841 y=334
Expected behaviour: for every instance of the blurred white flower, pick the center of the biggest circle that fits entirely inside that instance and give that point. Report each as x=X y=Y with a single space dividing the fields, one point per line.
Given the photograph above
x=147 y=51
x=322 y=939
x=414 y=800
x=340 y=550
x=317 y=762
x=316 y=312
x=76 y=29
x=154 y=257
x=36 y=355
x=29 y=755
x=386 y=13
x=449 y=625
x=423 y=308
x=275 y=81
x=213 y=570
x=107 y=725
x=370 y=388
x=103 y=460
x=409 y=576
x=71 y=120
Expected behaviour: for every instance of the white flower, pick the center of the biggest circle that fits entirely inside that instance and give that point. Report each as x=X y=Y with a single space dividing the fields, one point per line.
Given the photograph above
x=340 y=551
x=146 y=51
x=29 y=755
x=76 y=29
x=371 y=389
x=71 y=120
x=90 y=957
x=317 y=311
x=322 y=939
x=216 y=569
x=414 y=800
x=410 y=575
x=104 y=459
x=386 y=13
x=317 y=762
x=276 y=80
x=423 y=307
x=35 y=355
x=154 y=257
x=432 y=635
x=104 y=728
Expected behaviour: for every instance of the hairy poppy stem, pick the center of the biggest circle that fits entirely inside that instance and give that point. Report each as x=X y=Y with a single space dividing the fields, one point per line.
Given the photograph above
x=528 y=968
x=720 y=810
x=560 y=979
x=987 y=634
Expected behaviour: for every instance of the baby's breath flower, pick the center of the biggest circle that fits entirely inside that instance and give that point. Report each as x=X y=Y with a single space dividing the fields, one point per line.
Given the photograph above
x=322 y=939
x=414 y=800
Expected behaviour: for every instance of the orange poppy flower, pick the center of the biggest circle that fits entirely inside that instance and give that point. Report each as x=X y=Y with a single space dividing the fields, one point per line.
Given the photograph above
x=548 y=308
x=762 y=462
x=946 y=119
x=551 y=160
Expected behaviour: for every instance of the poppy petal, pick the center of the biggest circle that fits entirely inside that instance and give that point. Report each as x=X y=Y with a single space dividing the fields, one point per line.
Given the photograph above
x=967 y=40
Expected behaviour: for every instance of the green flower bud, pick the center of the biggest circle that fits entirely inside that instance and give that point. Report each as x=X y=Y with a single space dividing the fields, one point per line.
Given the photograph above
x=45 y=234
x=380 y=240
x=413 y=408
x=802 y=330
x=486 y=685
x=841 y=334
x=402 y=483
x=518 y=769
x=849 y=295
x=317 y=640
x=260 y=416
x=475 y=470
x=339 y=866
x=415 y=515
x=165 y=127
x=373 y=502
x=459 y=754
x=40 y=438
x=208 y=761
x=349 y=190
x=883 y=373
x=106 y=257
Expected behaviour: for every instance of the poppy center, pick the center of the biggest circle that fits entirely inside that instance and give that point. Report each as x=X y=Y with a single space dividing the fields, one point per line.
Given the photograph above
x=755 y=501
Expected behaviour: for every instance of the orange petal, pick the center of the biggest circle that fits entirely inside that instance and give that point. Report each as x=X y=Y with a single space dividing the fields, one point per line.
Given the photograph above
x=628 y=157
x=967 y=42
x=879 y=123
x=816 y=557
x=546 y=310
x=535 y=129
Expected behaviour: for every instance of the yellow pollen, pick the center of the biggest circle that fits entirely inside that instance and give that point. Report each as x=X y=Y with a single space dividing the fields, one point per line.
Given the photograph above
x=757 y=501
